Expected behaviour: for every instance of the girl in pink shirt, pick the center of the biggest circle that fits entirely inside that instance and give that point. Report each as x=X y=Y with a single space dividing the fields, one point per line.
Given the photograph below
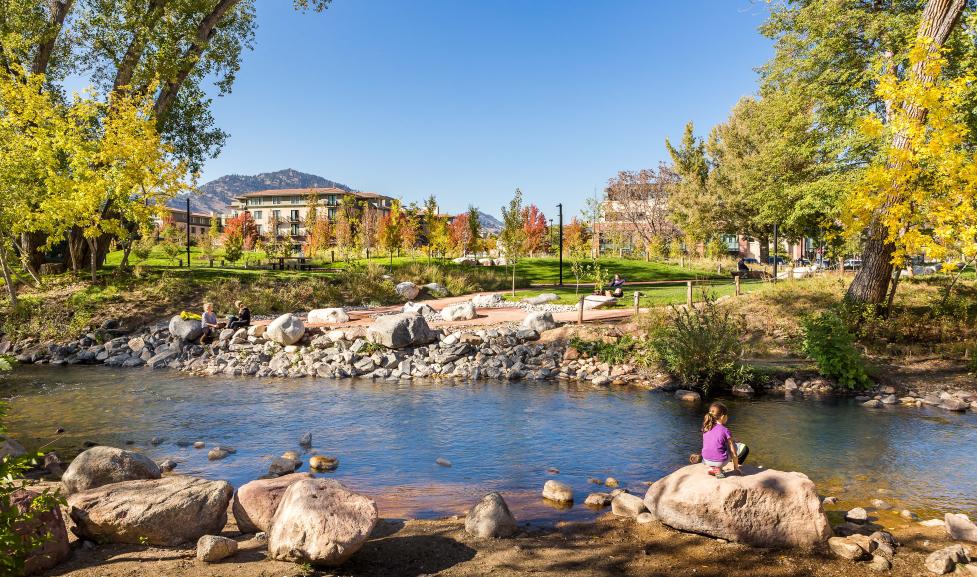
x=718 y=447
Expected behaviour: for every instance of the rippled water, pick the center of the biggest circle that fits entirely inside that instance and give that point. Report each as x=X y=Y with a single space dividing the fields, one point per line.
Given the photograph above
x=499 y=436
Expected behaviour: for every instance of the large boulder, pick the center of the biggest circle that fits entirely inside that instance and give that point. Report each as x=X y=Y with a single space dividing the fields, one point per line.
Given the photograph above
x=458 y=312
x=465 y=260
x=557 y=491
x=213 y=548
x=541 y=299
x=185 y=329
x=408 y=290
x=11 y=448
x=47 y=524
x=412 y=308
x=945 y=560
x=486 y=300
x=490 y=518
x=285 y=330
x=166 y=512
x=539 y=321
x=399 y=331
x=765 y=508
x=591 y=302
x=436 y=289
x=627 y=505
x=104 y=465
x=330 y=316
x=255 y=502
x=319 y=521
x=960 y=528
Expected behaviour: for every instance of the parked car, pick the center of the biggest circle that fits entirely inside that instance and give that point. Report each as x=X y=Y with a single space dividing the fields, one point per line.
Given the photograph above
x=852 y=264
x=780 y=260
x=751 y=261
x=802 y=262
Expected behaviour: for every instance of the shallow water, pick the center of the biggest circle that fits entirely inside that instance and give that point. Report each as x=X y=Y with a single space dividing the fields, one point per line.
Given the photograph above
x=498 y=436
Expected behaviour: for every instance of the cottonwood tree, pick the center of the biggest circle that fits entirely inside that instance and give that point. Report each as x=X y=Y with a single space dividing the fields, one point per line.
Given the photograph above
x=474 y=236
x=637 y=201
x=512 y=238
x=460 y=233
x=366 y=234
x=344 y=229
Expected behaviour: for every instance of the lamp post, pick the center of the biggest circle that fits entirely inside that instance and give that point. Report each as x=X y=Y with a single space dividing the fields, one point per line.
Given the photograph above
x=560 y=209
x=188 y=232
x=776 y=248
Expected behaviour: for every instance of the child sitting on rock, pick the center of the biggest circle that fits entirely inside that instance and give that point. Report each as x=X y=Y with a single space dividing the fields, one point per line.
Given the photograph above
x=718 y=446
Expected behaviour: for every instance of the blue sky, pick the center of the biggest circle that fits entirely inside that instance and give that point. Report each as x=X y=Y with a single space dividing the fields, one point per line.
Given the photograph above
x=468 y=100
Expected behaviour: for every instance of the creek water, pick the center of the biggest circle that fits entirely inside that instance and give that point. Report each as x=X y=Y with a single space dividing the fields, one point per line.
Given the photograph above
x=498 y=436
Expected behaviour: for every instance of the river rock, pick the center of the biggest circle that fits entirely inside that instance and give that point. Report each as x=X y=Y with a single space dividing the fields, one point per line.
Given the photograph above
x=591 y=302
x=166 y=512
x=11 y=448
x=217 y=453
x=283 y=466
x=845 y=548
x=185 y=329
x=423 y=309
x=161 y=359
x=490 y=518
x=328 y=316
x=167 y=465
x=436 y=289
x=688 y=396
x=55 y=548
x=541 y=299
x=321 y=522
x=783 y=508
x=960 y=528
x=872 y=404
x=256 y=501
x=399 y=331
x=857 y=515
x=408 y=290
x=458 y=312
x=880 y=564
x=598 y=499
x=627 y=505
x=212 y=548
x=323 y=463
x=742 y=390
x=285 y=330
x=556 y=491
x=944 y=560
x=486 y=300
x=104 y=465
x=539 y=321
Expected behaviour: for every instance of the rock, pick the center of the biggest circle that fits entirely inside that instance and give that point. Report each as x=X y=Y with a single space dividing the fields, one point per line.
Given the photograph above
x=598 y=499
x=320 y=522
x=845 y=548
x=890 y=400
x=285 y=330
x=743 y=390
x=399 y=331
x=407 y=290
x=881 y=505
x=865 y=542
x=283 y=466
x=199 y=445
x=49 y=523
x=880 y=564
x=486 y=300
x=645 y=518
x=323 y=463
x=11 y=448
x=490 y=518
x=185 y=330
x=443 y=462
x=104 y=465
x=591 y=302
x=908 y=515
x=857 y=515
x=305 y=440
x=435 y=289
x=458 y=312
x=423 y=309
x=328 y=316
x=539 y=321
x=136 y=344
x=688 y=396
x=541 y=299
x=212 y=548
x=465 y=260
x=217 y=453
x=256 y=501
x=627 y=505
x=166 y=512
x=161 y=359
x=954 y=405
x=167 y=465
x=944 y=560
x=790 y=385
x=960 y=528
x=829 y=500
x=784 y=509
x=872 y=404
x=556 y=491
x=933 y=523
x=611 y=482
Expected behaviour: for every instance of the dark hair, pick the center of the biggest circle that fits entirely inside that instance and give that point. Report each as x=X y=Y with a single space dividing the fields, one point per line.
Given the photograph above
x=716 y=411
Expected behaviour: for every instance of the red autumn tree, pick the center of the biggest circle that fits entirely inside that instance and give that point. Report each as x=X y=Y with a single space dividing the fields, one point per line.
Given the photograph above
x=460 y=233
x=534 y=230
x=242 y=226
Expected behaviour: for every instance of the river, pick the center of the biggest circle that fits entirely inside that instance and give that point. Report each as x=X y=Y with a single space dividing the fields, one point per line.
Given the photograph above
x=498 y=436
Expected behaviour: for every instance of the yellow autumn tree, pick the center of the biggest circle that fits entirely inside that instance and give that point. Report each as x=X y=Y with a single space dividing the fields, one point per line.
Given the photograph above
x=924 y=187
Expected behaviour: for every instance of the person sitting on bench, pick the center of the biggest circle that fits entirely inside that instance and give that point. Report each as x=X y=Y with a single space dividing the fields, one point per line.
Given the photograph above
x=243 y=318
x=617 y=286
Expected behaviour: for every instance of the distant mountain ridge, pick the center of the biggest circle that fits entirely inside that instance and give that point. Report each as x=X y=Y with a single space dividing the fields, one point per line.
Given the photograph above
x=489 y=223
x=217 y=195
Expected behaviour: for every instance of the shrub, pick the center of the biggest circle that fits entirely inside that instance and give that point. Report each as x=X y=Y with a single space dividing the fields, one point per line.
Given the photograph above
x=699 y=345
x=615 y=352
x=831 y=345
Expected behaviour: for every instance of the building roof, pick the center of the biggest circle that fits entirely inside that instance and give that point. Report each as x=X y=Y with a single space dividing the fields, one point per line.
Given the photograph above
x=183 y=211
x=305 y=191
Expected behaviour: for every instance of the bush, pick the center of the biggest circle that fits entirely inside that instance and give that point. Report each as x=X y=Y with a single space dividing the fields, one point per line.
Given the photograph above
x=699 y=345
x=830 y=344
x=614 y=352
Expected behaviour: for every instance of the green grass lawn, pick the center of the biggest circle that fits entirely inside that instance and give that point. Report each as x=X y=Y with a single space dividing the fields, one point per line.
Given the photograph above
x=650 y=296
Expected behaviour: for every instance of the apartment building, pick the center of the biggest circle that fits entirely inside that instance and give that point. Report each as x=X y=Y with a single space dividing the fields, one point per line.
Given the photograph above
x=199 y=221
x=288 y=208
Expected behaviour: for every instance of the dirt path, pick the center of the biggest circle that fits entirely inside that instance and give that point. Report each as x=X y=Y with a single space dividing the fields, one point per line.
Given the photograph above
x=611 y=546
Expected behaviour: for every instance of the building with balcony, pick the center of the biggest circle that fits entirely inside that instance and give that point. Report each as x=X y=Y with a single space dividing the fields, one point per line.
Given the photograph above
x=199 y=221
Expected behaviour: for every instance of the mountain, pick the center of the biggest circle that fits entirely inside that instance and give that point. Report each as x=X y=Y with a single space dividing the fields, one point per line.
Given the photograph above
x=489 y=223
x=217 y=195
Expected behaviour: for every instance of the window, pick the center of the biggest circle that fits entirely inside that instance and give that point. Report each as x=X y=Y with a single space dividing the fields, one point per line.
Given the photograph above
x=276 y=200
x=295 y=230
x=332 y=214
x=331 y=200
x=257 y=215
x=296 y=200
x=732 y=243
x=276 y=214
x=295 y=216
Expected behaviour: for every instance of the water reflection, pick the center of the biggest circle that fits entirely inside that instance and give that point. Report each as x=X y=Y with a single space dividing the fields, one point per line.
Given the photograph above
x=499 y=436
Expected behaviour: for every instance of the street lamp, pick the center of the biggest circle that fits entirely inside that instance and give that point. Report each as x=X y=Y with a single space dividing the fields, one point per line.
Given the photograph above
x=560 y=209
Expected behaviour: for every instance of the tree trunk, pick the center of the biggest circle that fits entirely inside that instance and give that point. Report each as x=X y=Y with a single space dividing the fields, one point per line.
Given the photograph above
x=93 y=259
x=871 y=282
x=764 y=242
x=77 y=249
x=7 y=277
x=513 y=279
